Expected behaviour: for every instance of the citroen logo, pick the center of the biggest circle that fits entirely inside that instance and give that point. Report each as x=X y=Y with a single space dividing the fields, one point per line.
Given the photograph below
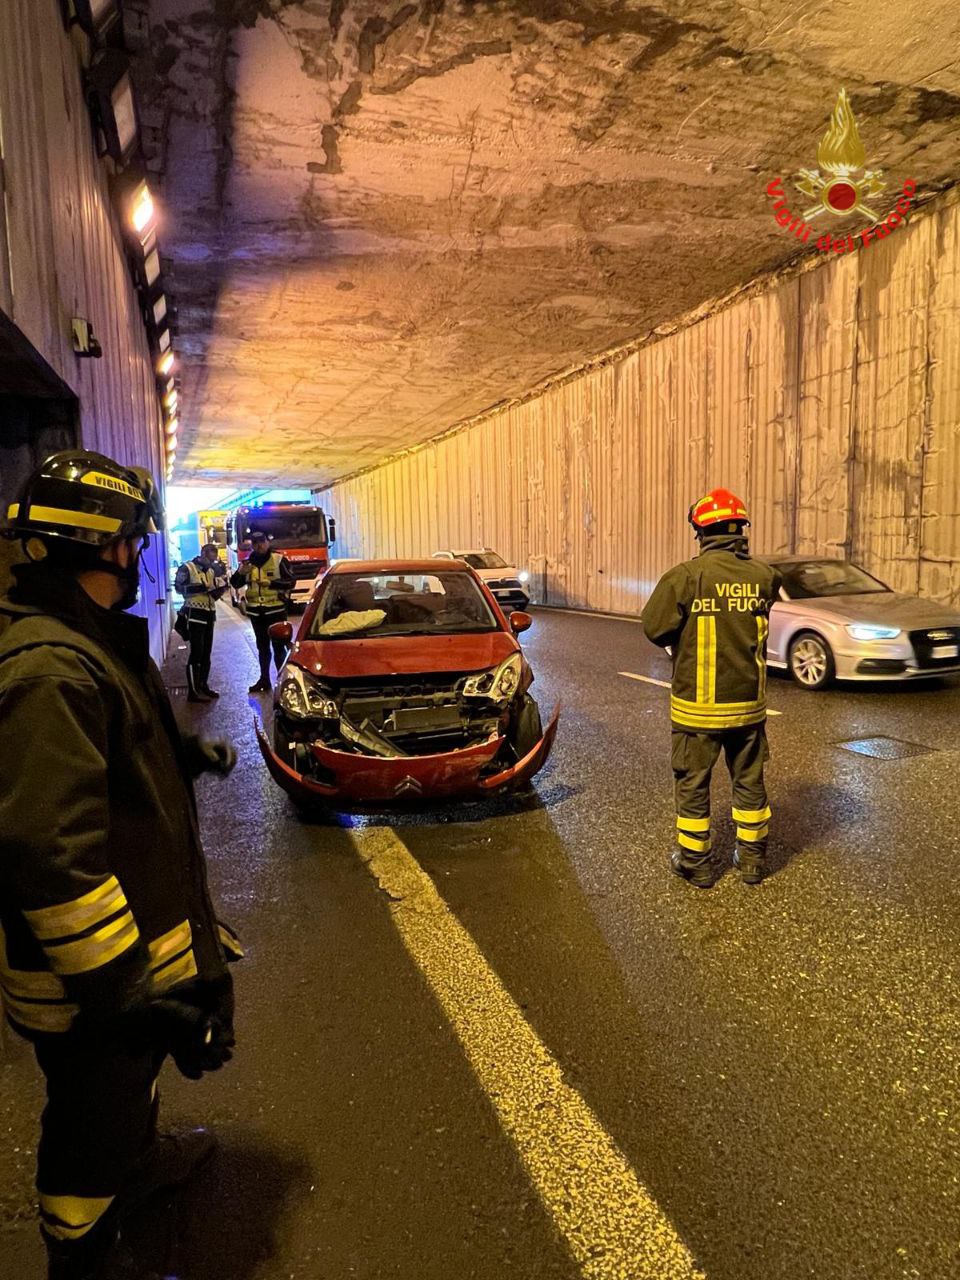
x=408 y=786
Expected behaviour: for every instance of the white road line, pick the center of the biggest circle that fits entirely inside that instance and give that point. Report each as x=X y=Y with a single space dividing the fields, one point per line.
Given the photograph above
x=665 y=684
x=610 y=1222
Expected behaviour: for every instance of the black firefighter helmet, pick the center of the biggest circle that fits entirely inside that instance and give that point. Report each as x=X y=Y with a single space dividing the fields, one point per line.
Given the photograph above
x=85 y=498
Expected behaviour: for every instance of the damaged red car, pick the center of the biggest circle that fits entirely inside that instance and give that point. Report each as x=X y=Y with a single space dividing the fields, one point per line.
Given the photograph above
x=404 y=680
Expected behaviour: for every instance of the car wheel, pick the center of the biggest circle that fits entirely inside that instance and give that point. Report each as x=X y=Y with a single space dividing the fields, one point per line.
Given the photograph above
x=811 y=661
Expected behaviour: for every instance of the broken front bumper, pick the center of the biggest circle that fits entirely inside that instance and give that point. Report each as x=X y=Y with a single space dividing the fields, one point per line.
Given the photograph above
x=360 y=779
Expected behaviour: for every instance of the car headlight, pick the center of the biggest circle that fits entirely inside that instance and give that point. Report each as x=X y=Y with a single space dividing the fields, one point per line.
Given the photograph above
x=523 y=577
x=499 y=684
x=866 y=631
x=305 y=698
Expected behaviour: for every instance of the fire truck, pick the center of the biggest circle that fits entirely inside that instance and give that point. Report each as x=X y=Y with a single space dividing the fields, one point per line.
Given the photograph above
x=298 y=531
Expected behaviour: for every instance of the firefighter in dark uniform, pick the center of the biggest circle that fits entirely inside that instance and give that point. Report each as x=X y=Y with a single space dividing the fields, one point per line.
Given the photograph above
x=712 y=614
x=201 y=581
x=268 y=579
x=111 y=956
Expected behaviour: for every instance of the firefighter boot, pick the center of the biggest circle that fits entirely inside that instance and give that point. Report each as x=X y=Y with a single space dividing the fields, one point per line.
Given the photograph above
x=749 y=861
x=171 y=1161
x=204 y=683
x=194 y=687
x=83 y=1259
x=702 y=873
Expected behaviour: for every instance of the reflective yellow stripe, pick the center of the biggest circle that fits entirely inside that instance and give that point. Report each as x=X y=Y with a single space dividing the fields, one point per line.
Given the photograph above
x=31 y=985
x=750 y=835
x=67 y=918
x=13 y=510
x=82 y=519
x=96 y=950
x=38 y=1017
x=694 y=824
x=712 y=723
x=755 y=704
x=751 y=815
x=70 y=1217
x=179 y=970
x=230 y=942
x=691 y=842
x=763 y=627
x=169 y=943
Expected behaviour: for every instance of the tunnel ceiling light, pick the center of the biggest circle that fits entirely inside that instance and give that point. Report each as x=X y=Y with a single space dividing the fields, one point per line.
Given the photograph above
x=163 y=342
x=171 y=399
x=165 y=364
x=160 y=310
x=142 y=211
x=173 y=426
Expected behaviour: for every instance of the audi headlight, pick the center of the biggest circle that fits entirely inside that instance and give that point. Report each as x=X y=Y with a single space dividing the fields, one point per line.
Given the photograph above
x=305 y=698
x=499 y=684
x=866 y=631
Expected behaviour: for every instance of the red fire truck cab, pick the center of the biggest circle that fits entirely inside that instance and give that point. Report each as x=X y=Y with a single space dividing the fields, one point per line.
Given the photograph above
x=297 y=530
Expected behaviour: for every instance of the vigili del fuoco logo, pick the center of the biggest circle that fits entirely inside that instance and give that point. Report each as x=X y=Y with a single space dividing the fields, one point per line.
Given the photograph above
x=841 y=186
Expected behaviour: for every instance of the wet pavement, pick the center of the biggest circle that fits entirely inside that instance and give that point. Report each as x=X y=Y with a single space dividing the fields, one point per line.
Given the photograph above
x=777 y=1068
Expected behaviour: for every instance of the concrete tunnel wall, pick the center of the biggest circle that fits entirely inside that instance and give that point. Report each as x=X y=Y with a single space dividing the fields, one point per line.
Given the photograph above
x=830 y=400
x=61 y=255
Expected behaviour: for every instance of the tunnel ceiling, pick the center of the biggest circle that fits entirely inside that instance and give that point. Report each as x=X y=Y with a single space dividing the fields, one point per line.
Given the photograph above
x=382 y=219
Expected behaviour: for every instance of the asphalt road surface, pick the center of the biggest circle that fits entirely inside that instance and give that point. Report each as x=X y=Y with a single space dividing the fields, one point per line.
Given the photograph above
x=501 y=1041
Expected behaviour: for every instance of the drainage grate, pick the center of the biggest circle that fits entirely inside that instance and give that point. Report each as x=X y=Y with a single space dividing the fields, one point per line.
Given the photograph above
x=177 y=690
x=883 y=748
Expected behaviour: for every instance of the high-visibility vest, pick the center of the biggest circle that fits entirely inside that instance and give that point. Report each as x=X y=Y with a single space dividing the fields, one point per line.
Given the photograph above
x=198 y=577
x=261 y=593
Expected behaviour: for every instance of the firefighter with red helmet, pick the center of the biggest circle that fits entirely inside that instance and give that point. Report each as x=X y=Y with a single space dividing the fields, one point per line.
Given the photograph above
x=111 y=955
x=712 y=614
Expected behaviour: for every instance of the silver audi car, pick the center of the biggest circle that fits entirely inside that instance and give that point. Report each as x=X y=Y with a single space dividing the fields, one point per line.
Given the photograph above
x=836 y=621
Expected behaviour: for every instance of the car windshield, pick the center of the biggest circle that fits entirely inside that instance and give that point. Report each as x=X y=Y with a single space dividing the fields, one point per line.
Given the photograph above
x=286 y=529
x=812 y=578
x=400 y=604
x=482 y=559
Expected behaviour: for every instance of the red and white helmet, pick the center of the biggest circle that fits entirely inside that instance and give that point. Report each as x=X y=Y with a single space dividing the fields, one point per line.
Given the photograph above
x=716 y=509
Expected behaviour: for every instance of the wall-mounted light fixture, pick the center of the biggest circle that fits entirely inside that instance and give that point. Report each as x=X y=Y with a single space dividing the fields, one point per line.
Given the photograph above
x=143 y=212
x=96 y=17
x=165 y=364
x=111 y=93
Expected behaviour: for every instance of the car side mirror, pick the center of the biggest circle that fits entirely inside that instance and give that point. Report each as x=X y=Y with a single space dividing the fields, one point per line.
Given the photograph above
x=282 y=631
x=520 y=622
x=331 y=530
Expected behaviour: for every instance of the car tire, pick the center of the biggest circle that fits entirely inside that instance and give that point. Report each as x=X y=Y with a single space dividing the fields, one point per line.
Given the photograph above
x=527 y=727
x=810 y=661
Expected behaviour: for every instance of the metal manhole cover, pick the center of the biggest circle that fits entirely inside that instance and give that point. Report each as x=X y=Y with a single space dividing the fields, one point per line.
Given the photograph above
x=883 y=748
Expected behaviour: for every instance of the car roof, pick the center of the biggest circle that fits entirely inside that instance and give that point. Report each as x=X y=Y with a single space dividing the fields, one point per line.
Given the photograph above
x=400 y=566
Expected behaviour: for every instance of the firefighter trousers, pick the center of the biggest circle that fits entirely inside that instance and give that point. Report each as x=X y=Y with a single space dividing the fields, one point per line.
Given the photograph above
x=693 y=756
x=99 y=1121
x=201 y=624
x=262 y=621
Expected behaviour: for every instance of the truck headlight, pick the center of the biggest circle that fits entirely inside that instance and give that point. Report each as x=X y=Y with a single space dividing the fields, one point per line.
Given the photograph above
x=866 y=631
x=499 y=684
x=305 y=698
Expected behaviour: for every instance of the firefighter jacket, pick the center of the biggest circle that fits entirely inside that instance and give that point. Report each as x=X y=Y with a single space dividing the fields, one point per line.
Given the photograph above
x=103 y=891
x=267 y=584
x=200 y=585
x=713 y=613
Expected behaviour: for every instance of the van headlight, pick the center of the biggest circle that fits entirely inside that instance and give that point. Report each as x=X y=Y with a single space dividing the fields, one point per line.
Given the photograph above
x=499 y=684
x=866 y=631
x=305 y=698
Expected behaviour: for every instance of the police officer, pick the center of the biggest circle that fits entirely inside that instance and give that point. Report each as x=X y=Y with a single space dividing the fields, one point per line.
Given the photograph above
x=712 y=614
x=201 y=581
x=268 y=579
x=111 y=956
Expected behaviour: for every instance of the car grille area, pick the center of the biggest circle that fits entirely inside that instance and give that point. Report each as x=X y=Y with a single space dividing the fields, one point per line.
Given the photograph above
x=936 y=647
x=422 y=716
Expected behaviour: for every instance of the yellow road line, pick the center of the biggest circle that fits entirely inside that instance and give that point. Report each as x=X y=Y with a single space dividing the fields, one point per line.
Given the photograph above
x=665 y=684
x=611 y=1224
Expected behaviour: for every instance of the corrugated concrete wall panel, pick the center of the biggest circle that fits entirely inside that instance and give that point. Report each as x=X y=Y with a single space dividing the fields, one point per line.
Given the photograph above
x=65 y=253
x=940 y=500
x=831 y=401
